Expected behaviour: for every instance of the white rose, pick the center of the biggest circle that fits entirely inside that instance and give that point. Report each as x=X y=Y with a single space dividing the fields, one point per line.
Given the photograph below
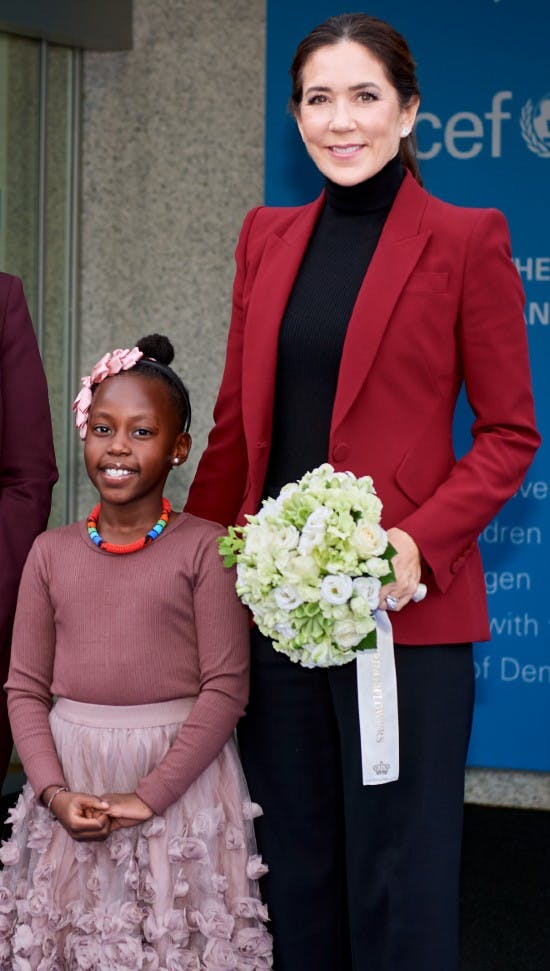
x=369 y=539
x=318 y=517
x=287 y=597
x=345 y=634
x=314 y=530
x=312 y=537
x=286 y=537
x=280 y=561
x=301 y=567
x=260 y=539
x=336 y=588
x=368 y=588
x=377 y=567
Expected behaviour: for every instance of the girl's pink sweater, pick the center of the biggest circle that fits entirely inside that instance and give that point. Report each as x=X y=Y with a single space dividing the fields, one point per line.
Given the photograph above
x=145 y=627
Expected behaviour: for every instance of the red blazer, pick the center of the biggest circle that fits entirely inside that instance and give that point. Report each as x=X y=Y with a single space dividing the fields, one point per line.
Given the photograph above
x=27 y=462
x=441 y=304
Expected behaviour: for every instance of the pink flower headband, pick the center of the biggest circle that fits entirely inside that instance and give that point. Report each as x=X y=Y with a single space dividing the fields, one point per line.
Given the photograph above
x=111 y=363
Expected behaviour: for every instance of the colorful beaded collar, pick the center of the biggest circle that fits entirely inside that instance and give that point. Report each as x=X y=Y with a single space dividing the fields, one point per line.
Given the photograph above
x=130 y=547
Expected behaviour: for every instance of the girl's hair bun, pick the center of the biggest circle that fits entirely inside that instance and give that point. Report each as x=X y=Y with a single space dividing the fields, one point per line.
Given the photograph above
x=157 y=346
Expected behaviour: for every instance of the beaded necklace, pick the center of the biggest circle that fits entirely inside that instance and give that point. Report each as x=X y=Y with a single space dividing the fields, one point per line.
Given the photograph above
x=130 y=547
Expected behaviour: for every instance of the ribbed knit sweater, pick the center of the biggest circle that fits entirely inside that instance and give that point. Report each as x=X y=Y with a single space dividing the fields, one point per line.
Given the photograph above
x=133 y=629
x=316 y=318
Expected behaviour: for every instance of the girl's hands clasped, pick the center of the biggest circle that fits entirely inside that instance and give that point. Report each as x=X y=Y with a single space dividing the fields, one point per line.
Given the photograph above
x=406 y=565
x=87 y=817
x=126 y=809
x=82 y=815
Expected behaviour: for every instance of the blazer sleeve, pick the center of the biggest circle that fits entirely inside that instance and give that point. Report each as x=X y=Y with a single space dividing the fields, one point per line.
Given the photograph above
x=493 y=347
x=27 y=462
x=220 y=480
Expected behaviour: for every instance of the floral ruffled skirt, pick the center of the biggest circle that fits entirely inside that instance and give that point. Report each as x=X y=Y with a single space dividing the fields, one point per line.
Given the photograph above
x=177 y=893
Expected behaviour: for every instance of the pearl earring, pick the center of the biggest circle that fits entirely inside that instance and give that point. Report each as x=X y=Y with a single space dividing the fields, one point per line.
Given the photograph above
x=175 y=461
x=405 y=132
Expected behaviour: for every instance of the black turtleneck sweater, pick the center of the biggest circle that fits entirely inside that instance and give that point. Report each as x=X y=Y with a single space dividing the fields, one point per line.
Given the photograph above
x=316 y=318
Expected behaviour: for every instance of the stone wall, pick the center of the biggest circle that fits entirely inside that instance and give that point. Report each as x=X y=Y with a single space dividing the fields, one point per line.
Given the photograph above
x=172 y=156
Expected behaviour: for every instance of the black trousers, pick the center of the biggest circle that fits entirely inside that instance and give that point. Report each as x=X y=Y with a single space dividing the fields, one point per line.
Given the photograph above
x=362 y=878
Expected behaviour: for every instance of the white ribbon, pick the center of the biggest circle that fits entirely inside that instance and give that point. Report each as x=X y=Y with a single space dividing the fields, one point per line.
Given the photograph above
x=377 y=700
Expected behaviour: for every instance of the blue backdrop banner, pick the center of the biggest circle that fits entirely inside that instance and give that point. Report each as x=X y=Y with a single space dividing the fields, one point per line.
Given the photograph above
x=484 y=140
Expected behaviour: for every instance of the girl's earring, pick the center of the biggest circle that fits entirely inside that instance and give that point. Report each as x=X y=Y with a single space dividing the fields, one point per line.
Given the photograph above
x=405 y=132
x=175 y=461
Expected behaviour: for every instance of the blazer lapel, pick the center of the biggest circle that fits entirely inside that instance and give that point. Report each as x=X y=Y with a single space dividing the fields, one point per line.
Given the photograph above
x=273 y=283
x=399 y=249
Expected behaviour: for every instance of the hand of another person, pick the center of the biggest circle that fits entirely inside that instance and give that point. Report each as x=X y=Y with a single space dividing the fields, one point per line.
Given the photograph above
x=406 y=565
x=82 y=815
x=126 y=809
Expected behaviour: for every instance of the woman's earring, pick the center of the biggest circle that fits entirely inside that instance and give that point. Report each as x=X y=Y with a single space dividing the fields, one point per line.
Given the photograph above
x=405 y=132
x=175 y=461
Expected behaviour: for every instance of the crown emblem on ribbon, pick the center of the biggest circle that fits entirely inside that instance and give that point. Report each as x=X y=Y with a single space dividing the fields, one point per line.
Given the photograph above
x=381 y=768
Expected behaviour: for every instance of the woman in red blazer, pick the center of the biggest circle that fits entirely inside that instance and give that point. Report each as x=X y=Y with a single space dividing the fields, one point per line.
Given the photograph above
x=356 y=320
x=27 y=466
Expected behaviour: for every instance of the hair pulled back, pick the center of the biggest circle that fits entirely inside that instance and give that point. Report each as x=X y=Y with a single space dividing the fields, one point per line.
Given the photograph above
x=158 y=354
x=385 y=43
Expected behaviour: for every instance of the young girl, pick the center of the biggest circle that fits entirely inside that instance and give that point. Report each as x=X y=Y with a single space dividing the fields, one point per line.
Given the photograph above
x=132 y=843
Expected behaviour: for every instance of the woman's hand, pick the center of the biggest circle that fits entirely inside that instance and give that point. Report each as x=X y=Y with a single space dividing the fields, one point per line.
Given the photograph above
x=406 y=566
x=82 y=815
x=126 y=809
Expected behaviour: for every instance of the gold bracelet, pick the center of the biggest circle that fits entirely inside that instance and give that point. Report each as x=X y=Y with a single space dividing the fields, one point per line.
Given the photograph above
x=54 y=794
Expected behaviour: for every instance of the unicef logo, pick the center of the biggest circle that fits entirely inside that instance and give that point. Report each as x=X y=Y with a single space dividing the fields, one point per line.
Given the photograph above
x=535 y=126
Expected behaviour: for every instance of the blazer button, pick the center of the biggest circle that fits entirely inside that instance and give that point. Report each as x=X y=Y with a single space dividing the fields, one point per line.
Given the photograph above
x=340 y=452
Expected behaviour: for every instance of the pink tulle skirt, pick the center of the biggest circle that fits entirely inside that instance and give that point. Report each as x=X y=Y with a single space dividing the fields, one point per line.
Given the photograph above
x=177 y=893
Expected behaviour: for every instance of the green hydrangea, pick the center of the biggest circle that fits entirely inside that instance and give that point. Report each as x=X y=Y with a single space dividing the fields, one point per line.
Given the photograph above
x=310 y=565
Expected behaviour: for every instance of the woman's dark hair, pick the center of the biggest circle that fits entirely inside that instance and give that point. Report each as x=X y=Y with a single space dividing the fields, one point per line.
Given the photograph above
x=158 y=354
x=385 y=43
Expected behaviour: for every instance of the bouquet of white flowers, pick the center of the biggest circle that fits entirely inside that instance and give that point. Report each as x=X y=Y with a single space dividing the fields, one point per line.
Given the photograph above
x=310 y=565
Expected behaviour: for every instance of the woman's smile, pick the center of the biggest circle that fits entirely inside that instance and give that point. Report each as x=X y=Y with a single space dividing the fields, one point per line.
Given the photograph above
x=344 y=151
